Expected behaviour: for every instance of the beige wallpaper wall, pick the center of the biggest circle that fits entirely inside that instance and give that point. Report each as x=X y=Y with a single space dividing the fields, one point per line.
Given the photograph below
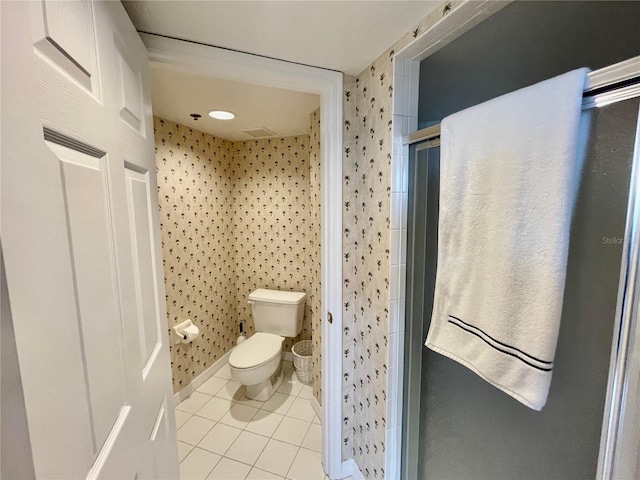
x=315 y=191
x=273 y=223
x=235 y=216
x=195 y=183
x=349 y=269
x=367 y=133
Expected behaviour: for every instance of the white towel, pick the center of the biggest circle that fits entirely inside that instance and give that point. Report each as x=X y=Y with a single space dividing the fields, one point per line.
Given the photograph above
x=509 y=174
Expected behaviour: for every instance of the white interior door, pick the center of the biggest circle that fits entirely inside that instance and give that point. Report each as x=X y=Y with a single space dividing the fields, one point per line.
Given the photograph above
x=80 y=235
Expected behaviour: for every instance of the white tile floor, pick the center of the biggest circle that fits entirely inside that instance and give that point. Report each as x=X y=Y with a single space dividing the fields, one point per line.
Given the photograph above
x=224 y=435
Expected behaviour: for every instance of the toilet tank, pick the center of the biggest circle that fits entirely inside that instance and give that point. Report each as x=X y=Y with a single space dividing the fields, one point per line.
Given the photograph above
x=278 y=312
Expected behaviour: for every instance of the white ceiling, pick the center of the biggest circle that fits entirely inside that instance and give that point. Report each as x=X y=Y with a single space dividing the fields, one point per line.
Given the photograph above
x=177 y=94
x=340 y=35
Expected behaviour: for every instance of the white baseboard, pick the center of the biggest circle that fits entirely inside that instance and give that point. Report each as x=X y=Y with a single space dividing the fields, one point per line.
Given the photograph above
x=316 y=407
x=200 y=379
x=350 y=469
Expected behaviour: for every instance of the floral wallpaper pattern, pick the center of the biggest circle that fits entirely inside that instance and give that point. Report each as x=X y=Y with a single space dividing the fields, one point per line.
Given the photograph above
x=315 y=191
x=195 y=183
x=273 y=223
x=349 y=270
x=235 y=216
x=367 y=153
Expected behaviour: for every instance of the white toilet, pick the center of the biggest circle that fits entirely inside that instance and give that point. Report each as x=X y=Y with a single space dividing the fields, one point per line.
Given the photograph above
x=256 y=361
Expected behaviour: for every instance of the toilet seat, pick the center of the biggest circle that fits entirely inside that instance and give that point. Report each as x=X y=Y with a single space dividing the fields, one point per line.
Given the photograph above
x=257 y=350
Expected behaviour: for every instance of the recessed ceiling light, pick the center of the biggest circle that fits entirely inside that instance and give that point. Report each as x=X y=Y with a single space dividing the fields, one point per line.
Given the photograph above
x=221 y=115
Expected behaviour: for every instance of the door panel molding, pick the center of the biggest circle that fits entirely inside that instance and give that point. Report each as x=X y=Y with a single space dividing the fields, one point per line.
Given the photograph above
x=99 y=320
x=65 y=141
x=66 y=237
x=64 y=32
x=150 y=322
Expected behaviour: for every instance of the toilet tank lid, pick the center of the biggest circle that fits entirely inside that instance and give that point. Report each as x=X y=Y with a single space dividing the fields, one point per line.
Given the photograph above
x=277 y=296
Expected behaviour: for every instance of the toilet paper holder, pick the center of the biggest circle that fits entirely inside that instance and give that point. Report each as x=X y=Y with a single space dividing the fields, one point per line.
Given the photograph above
x=185 y=332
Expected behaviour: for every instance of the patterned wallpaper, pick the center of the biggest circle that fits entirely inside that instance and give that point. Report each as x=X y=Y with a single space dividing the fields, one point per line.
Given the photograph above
x=273 y=223
x=195 y=183
x=349 y=268
x=367 y=149
x=315 y=191
x=235 y=216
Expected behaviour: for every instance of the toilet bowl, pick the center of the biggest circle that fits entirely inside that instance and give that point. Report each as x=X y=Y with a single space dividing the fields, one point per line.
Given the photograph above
x=256 y=362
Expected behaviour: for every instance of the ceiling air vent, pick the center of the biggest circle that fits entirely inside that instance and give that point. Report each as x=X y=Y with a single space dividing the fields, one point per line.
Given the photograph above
x=260 y=132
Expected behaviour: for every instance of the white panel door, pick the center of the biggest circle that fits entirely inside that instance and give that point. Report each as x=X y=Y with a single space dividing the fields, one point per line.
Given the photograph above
x=80 y=235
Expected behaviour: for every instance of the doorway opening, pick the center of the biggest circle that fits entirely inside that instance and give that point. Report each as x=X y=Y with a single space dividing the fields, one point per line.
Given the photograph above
x=457 y=26
x=298 y=224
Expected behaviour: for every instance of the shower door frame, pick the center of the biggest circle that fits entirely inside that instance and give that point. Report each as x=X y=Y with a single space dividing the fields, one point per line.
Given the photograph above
x=621 y=420
x=416 y=280
x=211 y=61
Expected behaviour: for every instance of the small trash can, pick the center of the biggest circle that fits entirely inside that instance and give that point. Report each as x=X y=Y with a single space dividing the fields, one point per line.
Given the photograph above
x=302 y=361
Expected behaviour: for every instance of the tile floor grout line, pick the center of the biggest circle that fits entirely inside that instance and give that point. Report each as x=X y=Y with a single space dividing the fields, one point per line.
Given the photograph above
x=207 y=433
x=261 y=451
x=213 y=467
x=238 y=400
x=294 y=459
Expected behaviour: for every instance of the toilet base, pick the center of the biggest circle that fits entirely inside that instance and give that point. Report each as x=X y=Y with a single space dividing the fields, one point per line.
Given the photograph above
x=264 y=390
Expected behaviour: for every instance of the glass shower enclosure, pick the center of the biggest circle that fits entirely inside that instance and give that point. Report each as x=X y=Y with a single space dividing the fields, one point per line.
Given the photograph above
x=457 y=426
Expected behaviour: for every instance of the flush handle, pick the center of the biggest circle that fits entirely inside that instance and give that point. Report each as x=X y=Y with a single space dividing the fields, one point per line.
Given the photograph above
x=329 y=317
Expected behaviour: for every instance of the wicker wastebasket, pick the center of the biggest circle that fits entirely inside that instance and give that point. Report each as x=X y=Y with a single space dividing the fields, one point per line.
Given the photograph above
x=303 y=362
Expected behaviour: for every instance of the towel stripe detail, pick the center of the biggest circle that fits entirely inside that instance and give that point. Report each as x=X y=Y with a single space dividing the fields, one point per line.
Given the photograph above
x=496 y=345
x=499 y=342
